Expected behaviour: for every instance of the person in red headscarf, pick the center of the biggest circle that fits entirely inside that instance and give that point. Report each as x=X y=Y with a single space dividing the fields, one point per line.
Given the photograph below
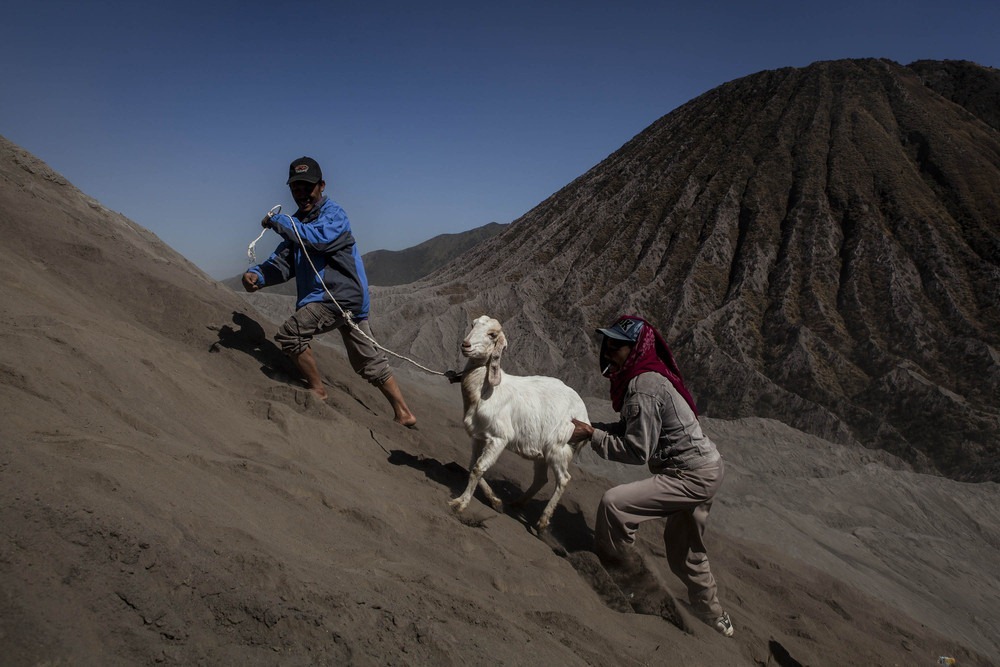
x=659 y=428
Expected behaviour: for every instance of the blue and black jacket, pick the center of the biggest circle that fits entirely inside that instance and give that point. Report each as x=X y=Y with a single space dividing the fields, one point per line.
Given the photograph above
x=326 y=232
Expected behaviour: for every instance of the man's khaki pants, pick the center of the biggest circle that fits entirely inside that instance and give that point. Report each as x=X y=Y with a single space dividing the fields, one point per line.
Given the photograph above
x=684 y=497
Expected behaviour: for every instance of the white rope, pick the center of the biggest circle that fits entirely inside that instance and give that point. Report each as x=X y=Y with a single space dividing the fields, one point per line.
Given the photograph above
x=251 y=255
x=345 y=314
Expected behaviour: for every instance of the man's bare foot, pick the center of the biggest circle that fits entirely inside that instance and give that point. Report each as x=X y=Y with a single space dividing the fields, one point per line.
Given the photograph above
x=306 y=364
x=402 y=413
x=408 y=420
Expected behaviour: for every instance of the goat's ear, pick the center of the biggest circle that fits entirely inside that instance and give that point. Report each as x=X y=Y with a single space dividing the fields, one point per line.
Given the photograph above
x=493 y=371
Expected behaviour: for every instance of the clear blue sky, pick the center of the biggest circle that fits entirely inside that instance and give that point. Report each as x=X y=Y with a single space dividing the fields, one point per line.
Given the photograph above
x=428 y=118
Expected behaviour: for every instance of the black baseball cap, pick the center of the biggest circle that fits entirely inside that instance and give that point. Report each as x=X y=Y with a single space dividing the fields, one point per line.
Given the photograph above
x=626 y=329
x=304 y=169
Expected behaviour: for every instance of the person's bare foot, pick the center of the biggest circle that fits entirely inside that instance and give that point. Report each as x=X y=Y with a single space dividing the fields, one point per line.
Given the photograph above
x=306 y=364
x=403 y=416
x=408 y=420
x=319 y=392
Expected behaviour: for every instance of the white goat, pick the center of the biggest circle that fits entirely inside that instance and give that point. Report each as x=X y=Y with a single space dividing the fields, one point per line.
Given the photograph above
x=531 y=416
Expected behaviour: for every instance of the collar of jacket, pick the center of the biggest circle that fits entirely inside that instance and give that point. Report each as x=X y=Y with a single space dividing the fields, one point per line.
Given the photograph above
x=314 y=213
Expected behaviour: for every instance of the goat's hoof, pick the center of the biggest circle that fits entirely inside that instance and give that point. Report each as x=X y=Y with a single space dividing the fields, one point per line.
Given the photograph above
x=546 y=536
x=456 y=505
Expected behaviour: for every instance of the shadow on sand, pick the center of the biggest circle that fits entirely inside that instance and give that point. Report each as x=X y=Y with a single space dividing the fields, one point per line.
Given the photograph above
x=249 y=337
x=569 y=536
x=568 y=528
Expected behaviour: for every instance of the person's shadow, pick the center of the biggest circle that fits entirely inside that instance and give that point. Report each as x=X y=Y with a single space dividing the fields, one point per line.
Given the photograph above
x=249 y=338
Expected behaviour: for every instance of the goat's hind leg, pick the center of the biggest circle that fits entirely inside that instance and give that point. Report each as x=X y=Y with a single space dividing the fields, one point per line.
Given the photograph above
x=537 y=482
x=484 y=454
x=559 y=461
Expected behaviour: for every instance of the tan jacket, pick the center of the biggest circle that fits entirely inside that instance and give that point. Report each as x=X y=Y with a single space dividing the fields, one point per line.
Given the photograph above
x=657 y=427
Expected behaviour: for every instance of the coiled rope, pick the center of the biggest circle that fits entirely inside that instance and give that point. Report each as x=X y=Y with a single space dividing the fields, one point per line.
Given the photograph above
x=346 y=314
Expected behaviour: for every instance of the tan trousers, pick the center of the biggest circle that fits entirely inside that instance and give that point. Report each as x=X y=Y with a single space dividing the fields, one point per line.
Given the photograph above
x=684 y=497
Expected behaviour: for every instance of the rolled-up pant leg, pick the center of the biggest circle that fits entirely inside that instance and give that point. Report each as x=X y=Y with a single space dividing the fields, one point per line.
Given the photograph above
x=368 y=361
x=312 y=319
x=685 y=498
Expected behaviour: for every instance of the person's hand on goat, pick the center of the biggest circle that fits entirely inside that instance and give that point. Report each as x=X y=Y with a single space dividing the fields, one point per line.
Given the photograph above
x=581 y=431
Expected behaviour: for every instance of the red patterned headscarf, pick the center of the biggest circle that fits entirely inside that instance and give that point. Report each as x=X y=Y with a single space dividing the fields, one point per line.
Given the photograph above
x=650 y=353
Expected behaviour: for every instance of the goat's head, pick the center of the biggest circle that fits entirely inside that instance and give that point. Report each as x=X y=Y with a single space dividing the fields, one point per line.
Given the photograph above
x=485 y=344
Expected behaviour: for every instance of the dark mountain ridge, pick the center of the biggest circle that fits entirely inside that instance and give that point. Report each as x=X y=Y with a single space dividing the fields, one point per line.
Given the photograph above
x=821 y=246
x=965 y=83
x=398 y=267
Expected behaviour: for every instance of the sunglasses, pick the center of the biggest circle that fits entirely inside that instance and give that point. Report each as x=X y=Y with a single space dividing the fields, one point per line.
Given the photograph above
x=615 y=344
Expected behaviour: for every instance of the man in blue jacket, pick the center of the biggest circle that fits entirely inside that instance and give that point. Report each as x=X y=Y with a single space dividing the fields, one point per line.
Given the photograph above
x=333 y=266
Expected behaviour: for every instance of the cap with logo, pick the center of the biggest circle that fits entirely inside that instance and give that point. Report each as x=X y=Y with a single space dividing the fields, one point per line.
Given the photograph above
x=304 y=169
x=625 y=329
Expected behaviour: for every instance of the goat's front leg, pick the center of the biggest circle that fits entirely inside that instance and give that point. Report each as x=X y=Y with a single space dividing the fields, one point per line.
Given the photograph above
x=460 y=503
x=484 y=454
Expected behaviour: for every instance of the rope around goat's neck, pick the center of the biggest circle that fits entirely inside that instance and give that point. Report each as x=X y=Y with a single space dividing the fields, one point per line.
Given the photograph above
x=347 y=315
